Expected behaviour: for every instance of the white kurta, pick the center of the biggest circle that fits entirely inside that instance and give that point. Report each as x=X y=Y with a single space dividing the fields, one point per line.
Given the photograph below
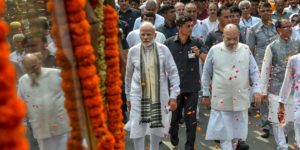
x=229 y=115
x=133 y=37
x=227 y=125
x=133 y=90
x=45 y=104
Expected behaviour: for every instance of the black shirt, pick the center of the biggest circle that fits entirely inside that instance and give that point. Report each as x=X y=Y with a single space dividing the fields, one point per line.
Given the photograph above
x=215 y=36
x=129 y=16
x=167 y=30
x=123 y=33
x=188 y=68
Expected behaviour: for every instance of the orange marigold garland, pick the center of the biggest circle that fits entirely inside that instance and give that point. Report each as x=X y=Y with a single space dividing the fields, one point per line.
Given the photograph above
x=75 y=137
x=12 y=109
x=113 y=79
x=86 y=71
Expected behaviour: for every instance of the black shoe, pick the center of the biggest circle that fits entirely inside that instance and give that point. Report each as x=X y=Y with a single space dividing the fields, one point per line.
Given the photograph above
x=174 y=140
x=266 y=134
x=217 y=141
x=242 y=145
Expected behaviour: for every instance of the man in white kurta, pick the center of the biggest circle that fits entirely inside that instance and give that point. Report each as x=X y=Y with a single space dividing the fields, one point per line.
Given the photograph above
x=40 y=89
x=134 y=88
x=229 y=66
x=275 y=60
x=291 y=80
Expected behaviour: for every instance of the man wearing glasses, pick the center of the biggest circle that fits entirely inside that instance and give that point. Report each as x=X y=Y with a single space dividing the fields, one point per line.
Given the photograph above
x=275 y=61
x=258 y=38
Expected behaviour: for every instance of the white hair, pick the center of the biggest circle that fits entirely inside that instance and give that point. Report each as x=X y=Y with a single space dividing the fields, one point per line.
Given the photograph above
x=151 y=2
x=18 y=36
x=147 y=24
x=243 y=2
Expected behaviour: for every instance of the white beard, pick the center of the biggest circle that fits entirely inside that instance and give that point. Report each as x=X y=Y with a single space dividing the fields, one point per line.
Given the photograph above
x=33 y=77
x=148 y=43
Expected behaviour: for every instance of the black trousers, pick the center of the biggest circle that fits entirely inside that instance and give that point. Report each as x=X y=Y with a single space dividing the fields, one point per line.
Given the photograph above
x=188 y=103
x=124 y=105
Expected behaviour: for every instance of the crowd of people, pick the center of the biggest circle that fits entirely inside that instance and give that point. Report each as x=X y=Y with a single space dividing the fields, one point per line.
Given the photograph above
x=232 y=54
x=228 y=55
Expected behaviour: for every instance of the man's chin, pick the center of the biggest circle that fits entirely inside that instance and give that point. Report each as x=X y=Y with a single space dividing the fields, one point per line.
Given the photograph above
x=146 y=44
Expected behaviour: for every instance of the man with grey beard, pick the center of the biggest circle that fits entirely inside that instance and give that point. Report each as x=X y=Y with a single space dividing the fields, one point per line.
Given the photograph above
x=40 y=89
x=149 y=67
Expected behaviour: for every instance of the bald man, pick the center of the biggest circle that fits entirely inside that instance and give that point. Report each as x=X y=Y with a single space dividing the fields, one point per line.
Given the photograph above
x=149 y=67
x=229 y=66
x=200 y=29
x=41 y=89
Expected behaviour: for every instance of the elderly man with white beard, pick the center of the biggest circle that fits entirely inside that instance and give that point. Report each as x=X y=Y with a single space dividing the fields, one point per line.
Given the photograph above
x=229 y=66
x=40 y=89
x=149 y=66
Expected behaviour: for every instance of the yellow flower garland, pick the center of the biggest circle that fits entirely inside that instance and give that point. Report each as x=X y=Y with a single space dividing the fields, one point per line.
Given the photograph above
x=100 y=55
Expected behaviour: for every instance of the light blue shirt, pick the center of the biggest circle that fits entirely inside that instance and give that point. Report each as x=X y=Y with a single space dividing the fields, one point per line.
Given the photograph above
x=159 y=20
x=296 y=32
x=258 y=38
x=252 y=21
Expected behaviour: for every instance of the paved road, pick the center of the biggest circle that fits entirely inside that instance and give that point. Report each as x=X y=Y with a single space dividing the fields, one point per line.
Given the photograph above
x=254 y=139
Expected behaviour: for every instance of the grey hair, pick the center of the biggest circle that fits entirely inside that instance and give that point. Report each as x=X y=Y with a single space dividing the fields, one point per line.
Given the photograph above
x=147 y=24
x=243 y=2
x=151 y=2
x=18 y=36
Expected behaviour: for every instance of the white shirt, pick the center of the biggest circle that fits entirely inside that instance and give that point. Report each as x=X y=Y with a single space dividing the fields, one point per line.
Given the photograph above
x=159 y=20
x=133 y=37
x=250 y=22
x=51 y=45
x=17 y=59
x=296 y=32
x=211 y=25
x=292 y=11
x=200 y=30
